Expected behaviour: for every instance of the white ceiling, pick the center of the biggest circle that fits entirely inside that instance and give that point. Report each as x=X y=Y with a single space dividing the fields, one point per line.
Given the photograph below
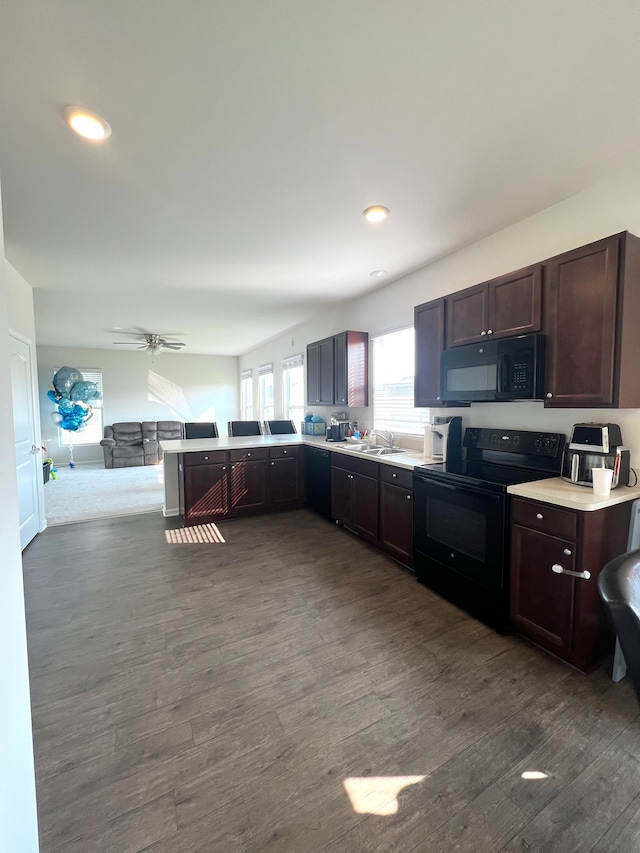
x=249 y=136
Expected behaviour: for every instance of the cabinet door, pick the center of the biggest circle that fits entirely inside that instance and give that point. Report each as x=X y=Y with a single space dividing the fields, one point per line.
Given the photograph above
x=341 y=495
x=515 y=303
x=351 y=366
x=581 y=322
x=428 y=321
x=364 y=507
x=326 y=372
x=318 y=478
x=206 y=492
x=467 y=315
x=248 y=487
x=542 y=602
x=285 y=483
x=396 y=522
x=313 y=373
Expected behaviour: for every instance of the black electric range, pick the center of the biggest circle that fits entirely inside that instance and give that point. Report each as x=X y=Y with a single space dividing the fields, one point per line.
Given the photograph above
x=461 y=515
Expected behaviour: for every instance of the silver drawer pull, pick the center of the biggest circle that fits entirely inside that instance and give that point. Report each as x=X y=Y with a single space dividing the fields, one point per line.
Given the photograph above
x=539 y=515
x=560 y=571
x=394 y=475
x=567 y=552
x=408 y=497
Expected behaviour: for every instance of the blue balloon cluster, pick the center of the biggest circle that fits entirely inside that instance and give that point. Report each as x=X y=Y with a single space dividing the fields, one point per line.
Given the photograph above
x=71 y=394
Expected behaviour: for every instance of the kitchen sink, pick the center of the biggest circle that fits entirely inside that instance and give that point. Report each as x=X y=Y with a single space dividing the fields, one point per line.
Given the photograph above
x=383 y=451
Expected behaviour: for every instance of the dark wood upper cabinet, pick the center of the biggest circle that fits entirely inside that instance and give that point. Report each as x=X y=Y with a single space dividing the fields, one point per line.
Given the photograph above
x=351 y=352
x=591 y=320
x=428 y=323
x=320 y=372
x=503 y=307
x=338 y=370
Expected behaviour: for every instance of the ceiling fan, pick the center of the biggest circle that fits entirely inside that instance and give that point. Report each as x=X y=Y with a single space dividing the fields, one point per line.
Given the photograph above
x=151 y=342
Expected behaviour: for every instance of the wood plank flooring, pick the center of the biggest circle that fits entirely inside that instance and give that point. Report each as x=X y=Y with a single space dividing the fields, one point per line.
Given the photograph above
x=293 y=690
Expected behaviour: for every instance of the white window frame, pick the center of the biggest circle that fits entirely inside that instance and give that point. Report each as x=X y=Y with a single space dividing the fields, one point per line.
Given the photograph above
x=266 y=390
x=246 y=395
x=92 y=433
x=393 y=372
x=293 y=387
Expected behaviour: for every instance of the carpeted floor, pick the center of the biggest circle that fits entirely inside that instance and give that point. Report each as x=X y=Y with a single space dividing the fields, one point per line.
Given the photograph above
x=88 y=492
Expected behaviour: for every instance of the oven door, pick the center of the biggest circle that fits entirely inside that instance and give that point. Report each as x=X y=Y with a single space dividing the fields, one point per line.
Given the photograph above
x=459 y=536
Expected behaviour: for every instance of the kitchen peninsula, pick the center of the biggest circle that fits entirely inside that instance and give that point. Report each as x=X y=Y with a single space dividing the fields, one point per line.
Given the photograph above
x=265 y=449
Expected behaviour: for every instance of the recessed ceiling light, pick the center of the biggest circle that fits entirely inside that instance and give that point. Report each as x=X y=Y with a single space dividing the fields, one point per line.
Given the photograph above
x=376 y=213
x=87 y=124
x=378 y=273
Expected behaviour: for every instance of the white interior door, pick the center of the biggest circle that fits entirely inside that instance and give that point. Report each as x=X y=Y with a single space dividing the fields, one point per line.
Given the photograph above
x=28 y=452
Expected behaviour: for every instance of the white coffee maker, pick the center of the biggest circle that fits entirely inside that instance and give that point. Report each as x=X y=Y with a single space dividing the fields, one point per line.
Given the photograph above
x=443 y=437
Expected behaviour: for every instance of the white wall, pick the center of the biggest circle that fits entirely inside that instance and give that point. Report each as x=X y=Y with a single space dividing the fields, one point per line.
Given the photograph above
x=606 y=208
x=177 y=386
x=18 y=816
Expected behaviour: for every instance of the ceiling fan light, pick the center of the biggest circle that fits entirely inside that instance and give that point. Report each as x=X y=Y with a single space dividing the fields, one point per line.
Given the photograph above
x=376 y=213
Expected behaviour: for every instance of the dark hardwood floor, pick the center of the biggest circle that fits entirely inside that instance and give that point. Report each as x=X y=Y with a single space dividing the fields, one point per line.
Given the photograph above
x=295 y=690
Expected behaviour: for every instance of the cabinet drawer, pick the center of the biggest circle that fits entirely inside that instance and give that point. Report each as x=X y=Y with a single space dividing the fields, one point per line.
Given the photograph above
x=205 y=457
x=396 y=476
x=250 y=453
x=283 y=452
x=366 y=467
x=544 y=517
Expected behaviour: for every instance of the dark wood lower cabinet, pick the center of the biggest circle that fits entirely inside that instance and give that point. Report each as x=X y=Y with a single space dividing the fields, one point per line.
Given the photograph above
x=354 y=495
x=556 y=610
x=396 y=521
x=286 y=478
x=204 y=486
x=248 y=487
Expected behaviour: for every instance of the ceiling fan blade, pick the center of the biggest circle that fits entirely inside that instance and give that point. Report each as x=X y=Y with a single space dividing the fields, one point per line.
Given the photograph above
x=172 y=346
x=125 y=343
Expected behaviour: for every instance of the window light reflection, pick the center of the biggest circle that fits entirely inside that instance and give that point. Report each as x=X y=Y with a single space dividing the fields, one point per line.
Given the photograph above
x=377 y=794
x=534 y=774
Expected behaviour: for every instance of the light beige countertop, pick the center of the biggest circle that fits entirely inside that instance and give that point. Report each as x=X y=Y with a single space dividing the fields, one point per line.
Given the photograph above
x=561 y=493
x=408 y=459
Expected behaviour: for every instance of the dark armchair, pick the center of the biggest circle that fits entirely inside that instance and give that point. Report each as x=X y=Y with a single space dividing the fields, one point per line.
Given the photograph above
x=132 y=443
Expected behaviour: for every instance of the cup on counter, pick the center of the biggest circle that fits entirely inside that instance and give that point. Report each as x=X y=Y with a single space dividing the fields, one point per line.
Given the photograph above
x=602 y=479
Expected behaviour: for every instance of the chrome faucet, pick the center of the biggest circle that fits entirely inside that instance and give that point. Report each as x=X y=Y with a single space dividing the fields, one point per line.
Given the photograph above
x=386 y=435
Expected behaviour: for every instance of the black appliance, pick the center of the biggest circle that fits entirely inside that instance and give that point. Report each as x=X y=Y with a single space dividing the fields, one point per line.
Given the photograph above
x=494 y=371
x=338 y=431
x=319 y=480
x=595 y=446
x=461 y=521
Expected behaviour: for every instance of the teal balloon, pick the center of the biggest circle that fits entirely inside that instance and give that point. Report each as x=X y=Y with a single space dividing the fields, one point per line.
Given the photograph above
x=65 y=379
x=85 y=391
x=53 y=396
x=65 y=406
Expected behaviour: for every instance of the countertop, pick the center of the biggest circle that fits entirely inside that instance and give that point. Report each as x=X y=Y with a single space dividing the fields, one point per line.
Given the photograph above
x=561 y=493
x=409 y=459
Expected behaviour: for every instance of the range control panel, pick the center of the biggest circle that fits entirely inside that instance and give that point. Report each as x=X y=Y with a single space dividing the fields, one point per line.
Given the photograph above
x=526 y=442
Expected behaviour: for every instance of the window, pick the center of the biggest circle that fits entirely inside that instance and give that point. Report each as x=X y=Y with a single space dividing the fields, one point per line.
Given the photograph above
x=265 y=382
x=246 y=395
x=91 y=433
x=293 y=388
x=393 y=372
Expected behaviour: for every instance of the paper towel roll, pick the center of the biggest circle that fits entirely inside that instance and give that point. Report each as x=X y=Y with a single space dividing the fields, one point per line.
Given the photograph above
x=428 y=442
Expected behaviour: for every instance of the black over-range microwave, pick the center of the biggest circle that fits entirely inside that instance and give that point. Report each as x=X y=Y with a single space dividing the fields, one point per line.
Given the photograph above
x=494 y=371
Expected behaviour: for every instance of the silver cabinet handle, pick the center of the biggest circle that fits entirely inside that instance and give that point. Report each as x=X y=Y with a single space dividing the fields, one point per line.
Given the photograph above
x=284 y=451
x=408 y=497
x=483 y=332
x=557 y=568
x=206 y=457
x=567 y=552
x=489 y=331
x=549 y=395
x=539 y=515
x=273 y=463
x=437 y=398
x=394 y=475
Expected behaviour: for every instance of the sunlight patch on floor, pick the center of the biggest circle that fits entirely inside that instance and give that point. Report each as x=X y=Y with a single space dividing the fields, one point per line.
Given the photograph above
x=377 y=794
x=197 y=535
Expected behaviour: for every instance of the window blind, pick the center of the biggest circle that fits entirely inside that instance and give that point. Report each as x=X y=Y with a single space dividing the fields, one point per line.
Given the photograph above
x=246 y=374
x=264 y=369
x=292 y=361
